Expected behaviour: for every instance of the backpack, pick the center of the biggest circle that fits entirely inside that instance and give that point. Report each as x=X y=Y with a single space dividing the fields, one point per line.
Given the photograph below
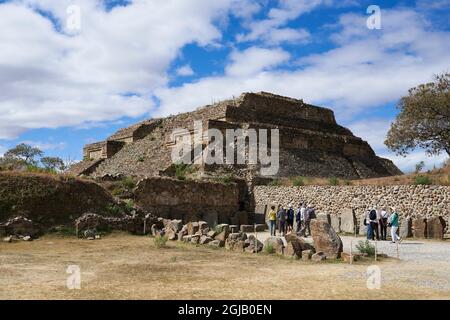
x=373 y=215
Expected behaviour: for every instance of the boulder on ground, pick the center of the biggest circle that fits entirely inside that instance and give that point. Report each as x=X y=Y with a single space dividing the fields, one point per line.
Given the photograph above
x=8 y=239
x=216 y=243
x=205 y=239
x=307 y=254
x=318 y=256
x=326 y=239
x=275 y=244
x=436 y=228
x=253 y=245
x=211 y=234
x=261 y=227
x=171 y=234
x=419 y=227
x=221 y=236
x=202 y=225
x=27 y=238
x=195 y=239
x=223 y=228
x=295 y=245
x=176 y=225
x=192 y=228
x=347 y=257
x=20 y=226
x=348 y=221
x=405 y=230
x=187 y=238
x=90 y=234
x=335 y=222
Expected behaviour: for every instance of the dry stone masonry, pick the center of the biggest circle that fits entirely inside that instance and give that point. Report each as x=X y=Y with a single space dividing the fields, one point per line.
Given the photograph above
x=144 y=149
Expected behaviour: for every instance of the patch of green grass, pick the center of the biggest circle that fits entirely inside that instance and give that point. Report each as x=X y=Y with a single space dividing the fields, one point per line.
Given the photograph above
x=63 y=231
x=160 y=241
x=128 y=183
x=422 y=180
x=141 y=159
x=333 y=181
x=113 y=209
x=274 y=183
x=268 y=248
x=298 y=181
x=181 y=170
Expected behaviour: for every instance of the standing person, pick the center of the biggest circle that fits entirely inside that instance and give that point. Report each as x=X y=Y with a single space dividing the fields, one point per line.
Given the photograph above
x=374 y=223
x=384 y=215
x=298 y=218
x=369 y=226
x=272 y=220
x=309 y=214
x=290 y=219
x=281 y=216
x=393 y=222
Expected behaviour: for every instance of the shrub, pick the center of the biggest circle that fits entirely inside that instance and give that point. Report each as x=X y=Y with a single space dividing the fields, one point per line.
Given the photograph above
x=160 y=241
x=226 y=179
x=333 y=181
x=298 y=181
x=422 y=180
x=128 y=183
x=113 y=209
x=141 y=159
x=366 y=247
x=268 y=248
x=181 y=170
x=129 y=205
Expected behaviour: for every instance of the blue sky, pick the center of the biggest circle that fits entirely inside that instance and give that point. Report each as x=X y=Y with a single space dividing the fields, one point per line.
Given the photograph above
x=63 y=87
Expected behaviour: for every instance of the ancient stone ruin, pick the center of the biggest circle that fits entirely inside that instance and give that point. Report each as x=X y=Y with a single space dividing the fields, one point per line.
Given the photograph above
x=311 y=142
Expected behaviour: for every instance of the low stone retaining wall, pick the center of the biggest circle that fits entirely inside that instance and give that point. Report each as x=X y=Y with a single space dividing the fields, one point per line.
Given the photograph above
x=412 y=202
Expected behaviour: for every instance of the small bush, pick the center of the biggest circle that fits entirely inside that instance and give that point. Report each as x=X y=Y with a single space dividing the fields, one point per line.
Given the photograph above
x=113 y=209
x=181 y=170
x=129 y=205
x=366 y=247
x=333 y=181
x=160 y=241
x=298 y=181
x=226 y=179
x=268 y=248
x=128 y=183
x=422 y=180
x=141 y=159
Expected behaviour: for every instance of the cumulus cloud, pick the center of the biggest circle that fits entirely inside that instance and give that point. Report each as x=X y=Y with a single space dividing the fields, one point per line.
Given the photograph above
x=51 y=76
x=185 y=71
x=368 y=68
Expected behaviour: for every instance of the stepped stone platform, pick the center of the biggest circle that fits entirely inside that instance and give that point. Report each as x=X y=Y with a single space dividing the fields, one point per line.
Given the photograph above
x=311 y=141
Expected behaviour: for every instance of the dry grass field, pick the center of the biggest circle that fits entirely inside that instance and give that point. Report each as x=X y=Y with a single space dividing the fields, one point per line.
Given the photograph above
x=122 y=266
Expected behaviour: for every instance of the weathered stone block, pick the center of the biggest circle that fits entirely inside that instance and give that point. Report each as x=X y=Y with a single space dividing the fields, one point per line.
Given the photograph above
x=326 y=239
x=362 y=230
x=276 y=243
x=419 y=227
x=405 y=230
x=348 y=221
x=335 y=222
x=306 y=255
x=319 y=256
x=435 y=228
x=192 y=228
x=325 y=217
x=247 y=228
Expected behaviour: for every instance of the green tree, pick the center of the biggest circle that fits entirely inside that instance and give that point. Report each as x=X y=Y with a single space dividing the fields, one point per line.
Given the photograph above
x=24 y=152
x=424 y=119
x=53 y=163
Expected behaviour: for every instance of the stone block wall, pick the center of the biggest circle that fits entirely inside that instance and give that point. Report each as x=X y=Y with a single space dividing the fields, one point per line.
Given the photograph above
x=189 y=200
x=410 y=201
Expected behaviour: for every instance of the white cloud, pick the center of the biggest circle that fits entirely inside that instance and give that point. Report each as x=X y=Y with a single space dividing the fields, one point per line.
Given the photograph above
x=44 y=146
x=185 y=71
x=255 y=60
x=105 y=71
x=369 y=68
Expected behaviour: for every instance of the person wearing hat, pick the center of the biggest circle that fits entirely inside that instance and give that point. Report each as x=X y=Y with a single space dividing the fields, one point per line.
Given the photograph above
x=393 y=222
x=310 y=214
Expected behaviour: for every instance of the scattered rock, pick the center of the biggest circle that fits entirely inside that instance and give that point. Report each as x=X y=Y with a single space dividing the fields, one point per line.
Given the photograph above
x=326 y=239
x=27 y=238
x=223 y=228
x=346 y=257
x=21 y=226
x=307 y=254
x=216 y=243
x=296 y=245
x=221 y=236
x=211 y=234
x=276 y=243
x=253 y=245
x=192 y=228
x=234 y=228
x=318 y=256
x=261 y=227
x=205 y=239
x=187 y=238
x=195 y=239
x=89 y=234
x=7 y=239
x=247 y=228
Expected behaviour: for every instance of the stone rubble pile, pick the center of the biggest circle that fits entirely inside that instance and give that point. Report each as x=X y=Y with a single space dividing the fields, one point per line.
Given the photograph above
x=19 y=228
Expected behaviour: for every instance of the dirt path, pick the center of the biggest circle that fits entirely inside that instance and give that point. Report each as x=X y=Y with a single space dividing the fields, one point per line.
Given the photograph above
x=130 y=267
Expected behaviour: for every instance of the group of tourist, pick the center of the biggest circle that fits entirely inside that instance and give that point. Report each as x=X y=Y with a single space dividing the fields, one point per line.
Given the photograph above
x=377 y=222
x=290 y=220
